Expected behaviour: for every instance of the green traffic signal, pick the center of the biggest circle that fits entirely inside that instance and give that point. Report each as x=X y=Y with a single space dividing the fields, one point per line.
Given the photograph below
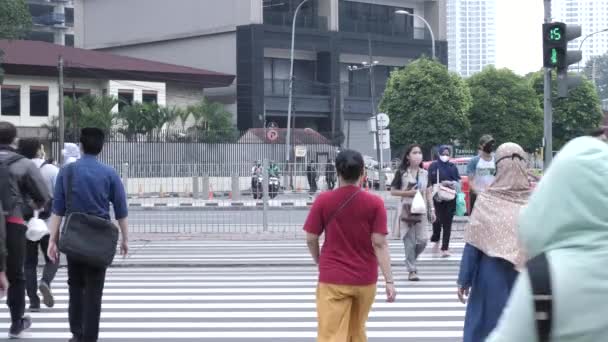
x=554 y=58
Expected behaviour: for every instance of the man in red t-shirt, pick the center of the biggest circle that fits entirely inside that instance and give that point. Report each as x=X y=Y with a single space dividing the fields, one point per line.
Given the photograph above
x=355 y=227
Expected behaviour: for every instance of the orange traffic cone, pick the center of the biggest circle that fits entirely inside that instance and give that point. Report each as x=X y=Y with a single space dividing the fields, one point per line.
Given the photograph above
x=210 y=193
x=230 y=195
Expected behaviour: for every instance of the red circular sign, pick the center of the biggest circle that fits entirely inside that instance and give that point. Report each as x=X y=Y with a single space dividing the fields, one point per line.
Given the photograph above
x=272 y=135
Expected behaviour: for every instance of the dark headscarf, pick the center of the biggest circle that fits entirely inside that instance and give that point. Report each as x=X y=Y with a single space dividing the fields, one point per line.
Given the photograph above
x=447 y=171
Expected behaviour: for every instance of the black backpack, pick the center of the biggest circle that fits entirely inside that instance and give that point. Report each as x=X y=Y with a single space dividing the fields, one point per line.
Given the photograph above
x=7 y=200
x=540 y=279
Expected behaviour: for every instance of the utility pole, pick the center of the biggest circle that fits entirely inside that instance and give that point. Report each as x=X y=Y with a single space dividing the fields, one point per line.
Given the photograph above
x=61 y=113
x=374 y=113
x=548 y=105
x=74 y=116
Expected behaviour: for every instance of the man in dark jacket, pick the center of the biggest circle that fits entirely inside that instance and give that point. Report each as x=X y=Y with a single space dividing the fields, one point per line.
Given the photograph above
x=22 y=180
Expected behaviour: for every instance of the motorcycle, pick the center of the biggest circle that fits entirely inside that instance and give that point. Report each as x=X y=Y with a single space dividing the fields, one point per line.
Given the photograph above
x=273 y=186
x=257 y=182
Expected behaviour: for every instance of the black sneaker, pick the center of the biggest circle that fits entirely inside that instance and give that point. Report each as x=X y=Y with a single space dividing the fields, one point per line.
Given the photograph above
x=17 y=328
x=34 y=307
x=47 y=295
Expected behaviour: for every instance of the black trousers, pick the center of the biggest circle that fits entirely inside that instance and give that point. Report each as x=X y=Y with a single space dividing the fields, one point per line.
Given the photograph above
x=445 y=212
x=15 y=245
x=86 y=290
x=331 y=182
x=31 y=265
x=473 y=200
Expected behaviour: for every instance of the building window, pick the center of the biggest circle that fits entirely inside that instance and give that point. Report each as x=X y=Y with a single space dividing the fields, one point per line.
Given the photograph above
x=69 y=40
x=39 y=101
x=372 y=18
x=125 y=98
x=280 y=12
x=11 y=100
x=149 y=96
x=76 y=93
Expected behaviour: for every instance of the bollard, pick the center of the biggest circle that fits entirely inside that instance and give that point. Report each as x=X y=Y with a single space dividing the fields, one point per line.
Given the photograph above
x=195 y=191
x=205 y=193
x=235 y=187
x=125 y=177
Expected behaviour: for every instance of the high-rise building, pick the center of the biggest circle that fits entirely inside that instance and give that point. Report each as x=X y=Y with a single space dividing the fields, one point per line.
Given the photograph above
x=592 y=15
x=471 y=30
x=53 y=21
x=252 y=38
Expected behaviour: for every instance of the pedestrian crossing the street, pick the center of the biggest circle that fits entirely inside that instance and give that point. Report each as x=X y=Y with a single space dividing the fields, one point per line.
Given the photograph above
x=243 y=303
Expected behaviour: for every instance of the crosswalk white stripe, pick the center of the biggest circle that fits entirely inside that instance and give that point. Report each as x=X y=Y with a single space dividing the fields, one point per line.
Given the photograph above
x=254 y=290
x=287 y=280
x=396 y=334
x=234 y=325
x=242 y=297
x=254 y=314
x=263 y=305
x=249 y=284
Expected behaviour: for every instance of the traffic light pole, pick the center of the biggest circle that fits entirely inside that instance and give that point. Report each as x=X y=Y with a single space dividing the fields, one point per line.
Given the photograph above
x=548 y=105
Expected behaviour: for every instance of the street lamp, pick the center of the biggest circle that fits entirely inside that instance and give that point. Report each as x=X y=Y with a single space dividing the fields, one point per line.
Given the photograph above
x=580 y=47
x=293 y=39
x=404 y=12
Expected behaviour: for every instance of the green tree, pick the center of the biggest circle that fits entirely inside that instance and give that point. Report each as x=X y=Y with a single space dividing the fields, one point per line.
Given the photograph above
x=427 y=104
x=145 y=119
x=599 y=74
x=213 y=123
x=87 y=111
x=573 y=116
x=15 y=22
x=506 y=106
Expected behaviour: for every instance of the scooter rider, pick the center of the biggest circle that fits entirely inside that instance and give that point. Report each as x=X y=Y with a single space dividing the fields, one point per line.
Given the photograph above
x=273 y=170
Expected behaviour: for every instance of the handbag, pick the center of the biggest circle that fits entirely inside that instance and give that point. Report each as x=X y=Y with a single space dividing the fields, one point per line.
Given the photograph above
x=86 y=238
x=408 y=214
x=443 y=193
x=418 y=205
x=36 y=228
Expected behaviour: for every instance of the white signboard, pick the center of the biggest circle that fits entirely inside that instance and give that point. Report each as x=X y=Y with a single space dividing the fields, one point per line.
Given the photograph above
x=300 y=151
x=385 y=139
x=383 y=121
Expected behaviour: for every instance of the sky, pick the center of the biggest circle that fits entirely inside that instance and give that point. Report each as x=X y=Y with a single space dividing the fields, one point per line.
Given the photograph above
x=518 y=35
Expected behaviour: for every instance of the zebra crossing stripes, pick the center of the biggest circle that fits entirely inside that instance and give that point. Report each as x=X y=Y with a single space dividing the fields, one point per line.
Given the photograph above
x=245 y=303
x=196 y=252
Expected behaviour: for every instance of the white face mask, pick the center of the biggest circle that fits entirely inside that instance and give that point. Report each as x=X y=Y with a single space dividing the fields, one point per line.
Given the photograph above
x=416 y=159
x=444 y=159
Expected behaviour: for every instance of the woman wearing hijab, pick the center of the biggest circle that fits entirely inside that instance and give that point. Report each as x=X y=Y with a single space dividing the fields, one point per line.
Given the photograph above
x=566 y=220
x=492 y=251
x=71 y=153
x=446 y=173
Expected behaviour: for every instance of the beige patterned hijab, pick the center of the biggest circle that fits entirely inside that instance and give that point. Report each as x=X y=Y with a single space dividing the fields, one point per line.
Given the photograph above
x=493 y=224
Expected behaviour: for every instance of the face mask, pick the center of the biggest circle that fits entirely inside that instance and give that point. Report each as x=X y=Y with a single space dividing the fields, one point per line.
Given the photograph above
x=416 y=159
x=444 y=159
x=488 y=148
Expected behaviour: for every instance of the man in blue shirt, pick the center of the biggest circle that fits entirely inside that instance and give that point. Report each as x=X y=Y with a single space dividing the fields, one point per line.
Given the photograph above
x=94 y=186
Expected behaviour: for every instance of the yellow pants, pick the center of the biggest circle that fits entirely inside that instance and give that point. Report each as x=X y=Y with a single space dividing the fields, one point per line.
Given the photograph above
x=342 y=312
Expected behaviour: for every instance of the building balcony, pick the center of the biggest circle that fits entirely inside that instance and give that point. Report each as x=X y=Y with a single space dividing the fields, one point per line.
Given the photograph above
x=49 y=19
x=278 y=87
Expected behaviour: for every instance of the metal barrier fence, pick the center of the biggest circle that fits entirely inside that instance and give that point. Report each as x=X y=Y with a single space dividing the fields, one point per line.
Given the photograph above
x=221 y=199
x=152 y=183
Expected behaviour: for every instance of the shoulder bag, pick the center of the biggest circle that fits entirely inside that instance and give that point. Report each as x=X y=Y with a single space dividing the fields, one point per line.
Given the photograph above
x=443 y=193
x=333 y=215
x=411 y=211
x=86 y=238
x=540 y=279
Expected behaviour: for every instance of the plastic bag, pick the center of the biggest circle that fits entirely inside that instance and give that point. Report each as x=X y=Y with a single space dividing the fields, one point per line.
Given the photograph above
x=418 y=205
x=36 y=228
x=461 y=204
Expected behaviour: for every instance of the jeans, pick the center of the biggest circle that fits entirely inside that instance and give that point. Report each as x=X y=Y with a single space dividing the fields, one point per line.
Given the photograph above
x=15 y=245
x=414 y=243
x=31 y=265
x=445 y=212
x=86 y=290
